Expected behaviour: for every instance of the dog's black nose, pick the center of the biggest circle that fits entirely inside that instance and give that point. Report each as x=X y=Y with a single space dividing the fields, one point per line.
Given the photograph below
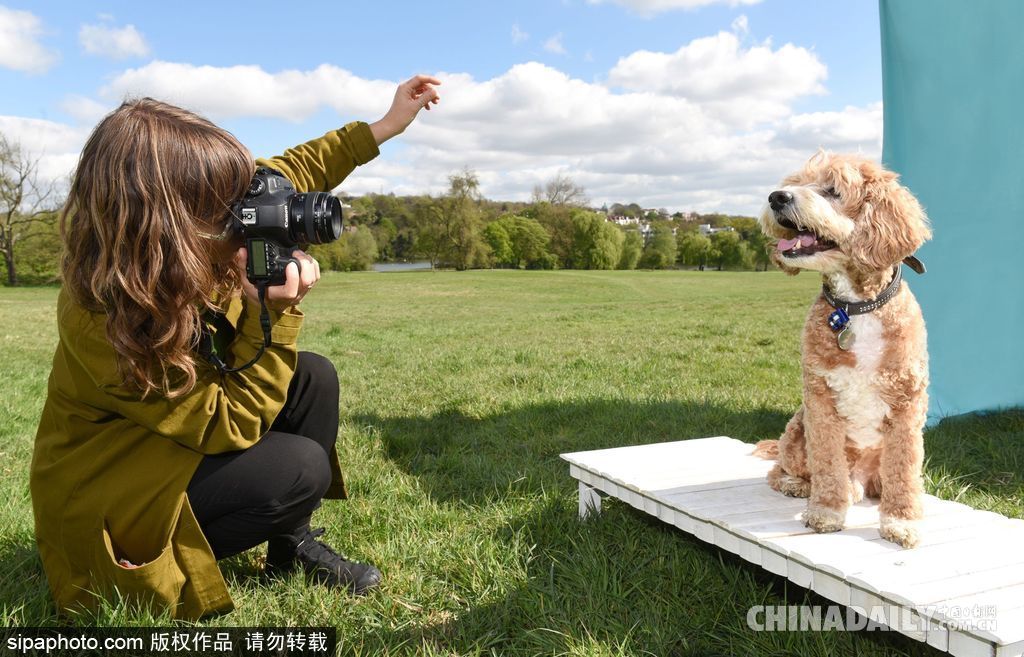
x=779 y=200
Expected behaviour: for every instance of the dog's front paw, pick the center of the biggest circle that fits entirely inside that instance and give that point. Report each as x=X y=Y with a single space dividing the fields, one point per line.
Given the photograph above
x=822 y=519
x=788 y=484
x=794 y=486
x=899 y=531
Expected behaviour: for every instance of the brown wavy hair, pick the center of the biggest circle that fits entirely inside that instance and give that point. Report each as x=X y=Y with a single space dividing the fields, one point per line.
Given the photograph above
x=152 y=177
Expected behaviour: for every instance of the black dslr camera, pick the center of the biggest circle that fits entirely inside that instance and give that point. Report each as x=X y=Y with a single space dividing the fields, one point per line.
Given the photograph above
x=275 y=221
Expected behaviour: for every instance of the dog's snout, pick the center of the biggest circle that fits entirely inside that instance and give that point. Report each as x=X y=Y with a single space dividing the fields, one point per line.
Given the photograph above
x=779 y=199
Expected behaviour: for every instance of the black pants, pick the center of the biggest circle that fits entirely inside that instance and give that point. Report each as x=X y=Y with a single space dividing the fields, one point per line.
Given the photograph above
x=244 y=498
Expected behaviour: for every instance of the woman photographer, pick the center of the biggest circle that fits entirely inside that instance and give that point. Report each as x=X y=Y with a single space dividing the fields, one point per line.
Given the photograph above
x=150 y=463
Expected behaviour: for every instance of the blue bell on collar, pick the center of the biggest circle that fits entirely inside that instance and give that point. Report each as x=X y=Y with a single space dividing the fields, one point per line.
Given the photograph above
x=838 y=319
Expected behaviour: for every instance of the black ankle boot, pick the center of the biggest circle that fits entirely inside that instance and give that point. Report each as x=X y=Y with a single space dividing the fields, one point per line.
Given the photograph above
x=320 y=563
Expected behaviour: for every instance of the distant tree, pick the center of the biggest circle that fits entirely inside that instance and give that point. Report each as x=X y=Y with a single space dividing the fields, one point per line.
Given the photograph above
x=694 y=250
x=597 y=244
x=39 y=249
x=632 y=249
x=431 y=224
x=660 y=253
x=557 y=221
x=360 y=249
x=728 y=249
x=561 y=190
x=356 y=250
x=384 y=232
x=465 y=223
x=450 y=229
x=25 y=202
x=497 y=237
x=363 y=210
x=530 y=244
x=759 y=250
x=747 y=227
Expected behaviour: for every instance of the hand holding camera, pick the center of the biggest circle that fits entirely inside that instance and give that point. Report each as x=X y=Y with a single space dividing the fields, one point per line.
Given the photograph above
x=299 y=278
x=275 y=221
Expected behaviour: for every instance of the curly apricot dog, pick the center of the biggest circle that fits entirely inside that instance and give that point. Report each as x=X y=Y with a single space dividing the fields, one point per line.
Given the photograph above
x=864 y=357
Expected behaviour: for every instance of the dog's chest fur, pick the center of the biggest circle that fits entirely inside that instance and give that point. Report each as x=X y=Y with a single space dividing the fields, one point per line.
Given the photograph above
x=856 y=389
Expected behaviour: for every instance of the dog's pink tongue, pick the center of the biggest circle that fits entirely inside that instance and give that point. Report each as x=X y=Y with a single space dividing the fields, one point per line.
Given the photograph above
x=786 y=245
x=803 y=239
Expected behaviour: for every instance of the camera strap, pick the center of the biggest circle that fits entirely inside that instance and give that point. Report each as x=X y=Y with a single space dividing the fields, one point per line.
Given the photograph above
x=207 y=350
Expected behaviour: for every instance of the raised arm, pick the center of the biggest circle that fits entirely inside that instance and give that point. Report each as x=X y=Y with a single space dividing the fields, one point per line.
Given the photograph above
x=323 y=163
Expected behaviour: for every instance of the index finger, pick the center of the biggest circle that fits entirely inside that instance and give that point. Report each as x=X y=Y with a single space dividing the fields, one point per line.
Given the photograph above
x=419 y=80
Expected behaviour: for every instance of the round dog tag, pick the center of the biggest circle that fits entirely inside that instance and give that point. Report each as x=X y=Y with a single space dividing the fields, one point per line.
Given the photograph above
x=845 y=338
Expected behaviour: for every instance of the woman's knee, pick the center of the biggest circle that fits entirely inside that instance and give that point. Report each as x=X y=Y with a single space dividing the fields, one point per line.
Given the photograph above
x=295 y=469
x=310 y=468
x=316 y=378
x=317 y=368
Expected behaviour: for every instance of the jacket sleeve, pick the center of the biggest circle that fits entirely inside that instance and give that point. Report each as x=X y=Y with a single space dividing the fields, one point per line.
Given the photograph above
x=321 y=164
x=223 y=412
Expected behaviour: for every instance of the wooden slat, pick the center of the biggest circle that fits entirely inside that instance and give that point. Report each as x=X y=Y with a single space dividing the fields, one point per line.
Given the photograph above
x=714 y=489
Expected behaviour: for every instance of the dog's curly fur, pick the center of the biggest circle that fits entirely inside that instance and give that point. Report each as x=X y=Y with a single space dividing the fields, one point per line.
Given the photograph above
x=859 y=430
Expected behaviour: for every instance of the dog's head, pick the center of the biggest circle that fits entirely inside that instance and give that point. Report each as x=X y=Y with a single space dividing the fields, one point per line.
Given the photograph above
x=843 y=213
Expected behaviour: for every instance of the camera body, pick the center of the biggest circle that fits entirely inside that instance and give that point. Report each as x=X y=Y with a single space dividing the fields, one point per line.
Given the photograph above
x=276 y=221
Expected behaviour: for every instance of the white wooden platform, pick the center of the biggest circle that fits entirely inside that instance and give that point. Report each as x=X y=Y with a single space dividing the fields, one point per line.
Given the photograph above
x=961 y=589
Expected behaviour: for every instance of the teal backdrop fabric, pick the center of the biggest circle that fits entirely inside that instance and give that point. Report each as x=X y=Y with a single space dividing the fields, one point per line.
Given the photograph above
x=953 y=92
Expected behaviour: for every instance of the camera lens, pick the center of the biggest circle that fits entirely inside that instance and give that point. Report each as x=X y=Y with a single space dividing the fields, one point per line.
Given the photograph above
x=315 y=218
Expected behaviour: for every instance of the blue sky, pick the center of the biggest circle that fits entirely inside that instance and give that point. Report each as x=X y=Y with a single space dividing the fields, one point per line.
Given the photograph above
x=685 y=104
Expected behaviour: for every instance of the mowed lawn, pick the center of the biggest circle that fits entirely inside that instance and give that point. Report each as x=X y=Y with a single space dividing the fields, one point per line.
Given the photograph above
x=459 y=391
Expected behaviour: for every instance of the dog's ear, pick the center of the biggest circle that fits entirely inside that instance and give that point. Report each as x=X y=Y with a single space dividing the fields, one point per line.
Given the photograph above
x=892 y=225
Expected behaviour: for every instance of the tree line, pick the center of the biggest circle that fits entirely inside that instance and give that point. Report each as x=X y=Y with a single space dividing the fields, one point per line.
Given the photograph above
x=555 y=230
x=459 y=229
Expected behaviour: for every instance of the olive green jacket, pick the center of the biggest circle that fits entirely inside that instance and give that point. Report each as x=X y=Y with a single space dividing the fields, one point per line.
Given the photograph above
x=109 y=470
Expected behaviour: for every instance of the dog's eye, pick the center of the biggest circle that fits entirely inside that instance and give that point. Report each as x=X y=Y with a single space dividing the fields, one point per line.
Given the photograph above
x=829 y=192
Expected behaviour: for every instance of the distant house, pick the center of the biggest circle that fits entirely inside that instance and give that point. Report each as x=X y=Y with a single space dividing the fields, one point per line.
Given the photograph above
x=708 y=229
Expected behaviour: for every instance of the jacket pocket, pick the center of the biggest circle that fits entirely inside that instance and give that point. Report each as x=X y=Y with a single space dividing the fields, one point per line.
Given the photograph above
x=155 y=584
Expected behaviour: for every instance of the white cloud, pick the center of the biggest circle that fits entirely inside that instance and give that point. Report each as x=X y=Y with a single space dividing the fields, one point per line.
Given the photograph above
x=19 y=42
x=720 y=144
x=55 y=145
x=654 y=148
x=113 y=42
x=554 y=44
x=83 y=109
x=652 y=7
x=518 y=36
x=232 y=91
x=853 y=129
x=754 y=83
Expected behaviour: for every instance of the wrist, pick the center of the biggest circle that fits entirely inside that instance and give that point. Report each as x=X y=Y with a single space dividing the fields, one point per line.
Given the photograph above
x=384 y=130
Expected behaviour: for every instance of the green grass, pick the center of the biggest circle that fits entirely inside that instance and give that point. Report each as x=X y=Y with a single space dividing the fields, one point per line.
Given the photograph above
x=459 y=390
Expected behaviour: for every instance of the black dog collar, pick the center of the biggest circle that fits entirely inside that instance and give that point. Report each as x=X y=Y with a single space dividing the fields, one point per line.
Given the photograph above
x=839 y=319
x=851 y=308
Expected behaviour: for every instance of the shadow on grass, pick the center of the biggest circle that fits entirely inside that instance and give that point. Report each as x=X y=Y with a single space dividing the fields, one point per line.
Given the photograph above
x=624 y=583
x=627 y=584
x=978 y=459
x=477 y=459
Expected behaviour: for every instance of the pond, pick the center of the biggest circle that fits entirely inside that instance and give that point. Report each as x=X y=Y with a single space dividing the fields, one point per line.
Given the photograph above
x=401 y=266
